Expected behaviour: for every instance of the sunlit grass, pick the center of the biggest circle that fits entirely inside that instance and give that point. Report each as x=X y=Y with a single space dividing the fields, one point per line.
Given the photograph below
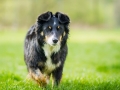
x=93 y=61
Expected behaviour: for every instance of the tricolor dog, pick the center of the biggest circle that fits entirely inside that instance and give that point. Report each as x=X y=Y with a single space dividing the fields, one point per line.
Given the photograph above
x=45 y=47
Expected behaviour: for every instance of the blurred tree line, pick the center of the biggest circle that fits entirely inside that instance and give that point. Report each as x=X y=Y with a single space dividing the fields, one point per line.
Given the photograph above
x=20 y=13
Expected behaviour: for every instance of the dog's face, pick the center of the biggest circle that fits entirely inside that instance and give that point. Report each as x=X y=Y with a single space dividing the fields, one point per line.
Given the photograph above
x=53 y=31
x=53 y=27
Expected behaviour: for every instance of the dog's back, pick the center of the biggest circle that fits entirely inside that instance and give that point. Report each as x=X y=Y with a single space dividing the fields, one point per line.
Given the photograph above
x=45 y=47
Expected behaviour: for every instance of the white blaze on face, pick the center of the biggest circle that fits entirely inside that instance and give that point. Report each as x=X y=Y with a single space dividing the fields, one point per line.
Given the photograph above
x=54 y=23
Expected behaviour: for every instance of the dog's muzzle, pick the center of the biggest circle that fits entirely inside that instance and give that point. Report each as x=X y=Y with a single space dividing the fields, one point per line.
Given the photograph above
x=52 y=40
x=55 y=41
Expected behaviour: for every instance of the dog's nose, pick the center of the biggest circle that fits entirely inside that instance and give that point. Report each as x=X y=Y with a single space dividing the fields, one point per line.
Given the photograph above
x=55 y=40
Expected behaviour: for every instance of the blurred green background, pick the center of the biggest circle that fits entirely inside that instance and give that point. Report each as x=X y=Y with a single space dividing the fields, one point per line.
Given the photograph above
x=83 y=13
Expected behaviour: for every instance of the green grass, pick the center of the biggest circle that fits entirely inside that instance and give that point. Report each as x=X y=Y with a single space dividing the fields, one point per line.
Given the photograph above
x=93 y=62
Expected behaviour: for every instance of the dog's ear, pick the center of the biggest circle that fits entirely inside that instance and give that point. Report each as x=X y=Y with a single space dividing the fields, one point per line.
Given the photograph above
x=45 y=16
x=63 y=18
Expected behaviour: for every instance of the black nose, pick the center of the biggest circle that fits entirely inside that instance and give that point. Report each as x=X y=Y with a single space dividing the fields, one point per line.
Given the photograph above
x=55 y=40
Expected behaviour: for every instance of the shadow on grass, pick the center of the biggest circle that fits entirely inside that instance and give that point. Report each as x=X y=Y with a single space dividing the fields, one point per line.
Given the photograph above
x=9 y=81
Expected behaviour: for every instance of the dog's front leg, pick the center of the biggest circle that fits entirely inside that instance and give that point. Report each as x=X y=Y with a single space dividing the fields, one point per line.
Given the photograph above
x=39 y=77
x=57 y=75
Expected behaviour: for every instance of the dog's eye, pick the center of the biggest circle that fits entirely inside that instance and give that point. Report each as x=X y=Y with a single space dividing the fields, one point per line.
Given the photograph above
x=58 y=27
x=50 y=28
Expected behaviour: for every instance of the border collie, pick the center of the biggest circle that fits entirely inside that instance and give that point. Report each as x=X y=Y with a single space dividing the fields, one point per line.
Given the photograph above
x=45 y=47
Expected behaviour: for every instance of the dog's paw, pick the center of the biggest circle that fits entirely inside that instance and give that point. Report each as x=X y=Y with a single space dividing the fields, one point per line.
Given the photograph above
x=43 y=81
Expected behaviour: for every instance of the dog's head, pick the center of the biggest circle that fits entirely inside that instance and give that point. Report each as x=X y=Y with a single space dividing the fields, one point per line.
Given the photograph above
x=52 y=28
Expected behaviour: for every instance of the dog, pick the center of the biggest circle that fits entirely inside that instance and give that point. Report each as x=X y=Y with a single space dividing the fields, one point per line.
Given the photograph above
x=45 y=47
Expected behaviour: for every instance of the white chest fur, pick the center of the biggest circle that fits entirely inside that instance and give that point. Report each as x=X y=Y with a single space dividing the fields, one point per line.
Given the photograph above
x=48 y=50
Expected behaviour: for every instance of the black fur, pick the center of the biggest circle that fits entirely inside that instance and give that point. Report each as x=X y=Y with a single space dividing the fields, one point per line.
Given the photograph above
x=34 y=42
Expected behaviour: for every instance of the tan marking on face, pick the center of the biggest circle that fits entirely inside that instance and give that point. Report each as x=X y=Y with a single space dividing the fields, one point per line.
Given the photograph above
x=46 y=38
x=60 y=37
x=64 y=34
x=50 y=27
x=42 y=33
x=58 y=27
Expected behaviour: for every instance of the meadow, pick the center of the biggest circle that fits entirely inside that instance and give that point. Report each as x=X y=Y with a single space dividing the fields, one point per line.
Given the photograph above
x=93 y=61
